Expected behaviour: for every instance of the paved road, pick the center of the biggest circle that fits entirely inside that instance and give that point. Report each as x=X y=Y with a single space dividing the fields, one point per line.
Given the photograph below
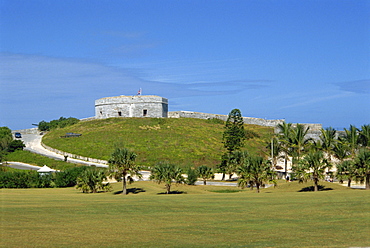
x=21 y=166
x=33 y=144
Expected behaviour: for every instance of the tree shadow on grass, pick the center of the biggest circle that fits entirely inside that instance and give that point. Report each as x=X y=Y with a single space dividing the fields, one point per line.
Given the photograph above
x=175 y=192
x=311 y=188
x=131 y=191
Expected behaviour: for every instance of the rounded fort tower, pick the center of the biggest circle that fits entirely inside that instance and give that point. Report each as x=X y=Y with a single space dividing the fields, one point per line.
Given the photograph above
x=131 y=106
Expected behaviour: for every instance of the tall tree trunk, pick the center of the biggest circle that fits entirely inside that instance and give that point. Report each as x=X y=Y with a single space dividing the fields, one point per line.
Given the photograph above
x=168 y=188
x=349 y=182
x=286 y=166
x=316 y=186
x=258 y=187
x=205 y=182
x=367 y=181
x=223 y=176
x=124 y=190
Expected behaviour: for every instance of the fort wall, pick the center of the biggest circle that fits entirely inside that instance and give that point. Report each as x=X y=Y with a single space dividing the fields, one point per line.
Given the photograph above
x=131 y=106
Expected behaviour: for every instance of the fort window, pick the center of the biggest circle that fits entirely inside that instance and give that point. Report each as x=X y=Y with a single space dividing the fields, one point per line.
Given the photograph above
x=145 y=112
x=119 y=113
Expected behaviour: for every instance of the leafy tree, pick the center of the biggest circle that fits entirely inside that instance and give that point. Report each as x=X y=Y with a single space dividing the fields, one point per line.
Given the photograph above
x=314 y=165
x=234 y=134
x=233 y=140
x=192 y=176
x=223 y=166
x=362 y=164
x=91 y=180
x=255 y=171
x=166 y=173
x=5 y=138
x=60 y=123
x=16 y=145
x=122 y=166
x=205 y=173
x=346 y=170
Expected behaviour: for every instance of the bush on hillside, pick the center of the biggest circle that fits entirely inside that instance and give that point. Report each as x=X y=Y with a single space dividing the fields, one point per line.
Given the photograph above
x=60 y=123
x=16 y=145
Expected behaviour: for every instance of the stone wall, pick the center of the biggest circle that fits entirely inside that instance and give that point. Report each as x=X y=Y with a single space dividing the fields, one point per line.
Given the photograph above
x=247 y=120
x=27 y=131
x=70 y=155
x=314 y=129
x=131 y=106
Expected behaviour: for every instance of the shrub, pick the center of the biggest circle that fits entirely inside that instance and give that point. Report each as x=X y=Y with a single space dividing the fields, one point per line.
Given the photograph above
x=16 y=145
x=91 y=180
x=68 y=177
x=25 y=179
x=192 y=176
x=60 y=123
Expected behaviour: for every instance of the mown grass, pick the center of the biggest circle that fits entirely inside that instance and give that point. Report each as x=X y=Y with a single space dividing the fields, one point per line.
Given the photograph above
x=277 y=217
x=183 y=141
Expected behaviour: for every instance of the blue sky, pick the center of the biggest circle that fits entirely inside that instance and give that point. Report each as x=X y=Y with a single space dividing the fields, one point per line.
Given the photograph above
x=302 y=61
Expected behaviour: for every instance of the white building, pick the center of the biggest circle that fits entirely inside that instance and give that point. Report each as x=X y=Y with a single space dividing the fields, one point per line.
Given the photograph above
x=131 y=106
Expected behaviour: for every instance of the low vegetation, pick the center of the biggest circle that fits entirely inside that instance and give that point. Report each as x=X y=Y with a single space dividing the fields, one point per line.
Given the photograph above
x=182 y=141
x=198 y=216
x=54 y=124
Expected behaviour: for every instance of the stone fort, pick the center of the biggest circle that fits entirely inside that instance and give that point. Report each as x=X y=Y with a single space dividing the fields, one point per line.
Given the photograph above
x=157 y=107
x=131 y=106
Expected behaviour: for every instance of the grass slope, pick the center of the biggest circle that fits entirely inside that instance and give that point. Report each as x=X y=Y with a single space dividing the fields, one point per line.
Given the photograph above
x=38 y=160
x=200 y=217
x=183 y=141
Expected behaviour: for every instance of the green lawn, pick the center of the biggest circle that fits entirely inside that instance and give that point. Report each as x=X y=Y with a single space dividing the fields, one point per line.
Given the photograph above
x=199 y=217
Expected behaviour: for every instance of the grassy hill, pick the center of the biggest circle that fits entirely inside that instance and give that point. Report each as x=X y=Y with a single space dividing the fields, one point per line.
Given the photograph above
x=182 y=141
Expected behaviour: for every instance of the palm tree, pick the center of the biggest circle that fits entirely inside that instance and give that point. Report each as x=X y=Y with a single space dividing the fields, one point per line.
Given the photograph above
x=362 y=164
x=255 y=171
x=352 y=138
x=347 y=170
x=235 y=158
x=299 y=142
x=205 y=173
x=122 y=166
x=341 y=150
x=328 y=140
x=276 y=149
x=364 y=138
x=166 y=172
x=314 y=164
x=91 y=180
x=285 y=135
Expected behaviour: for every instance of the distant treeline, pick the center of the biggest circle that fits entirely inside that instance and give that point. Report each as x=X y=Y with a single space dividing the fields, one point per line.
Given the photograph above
x=60 y=123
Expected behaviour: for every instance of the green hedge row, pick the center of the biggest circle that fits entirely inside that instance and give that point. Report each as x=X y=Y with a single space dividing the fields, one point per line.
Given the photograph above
x=32 y=179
